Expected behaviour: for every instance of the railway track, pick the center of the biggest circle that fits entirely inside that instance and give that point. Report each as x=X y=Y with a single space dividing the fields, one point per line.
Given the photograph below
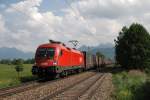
x=77 y=90
x=89 y=93
x=4 y=93
x=23 y=87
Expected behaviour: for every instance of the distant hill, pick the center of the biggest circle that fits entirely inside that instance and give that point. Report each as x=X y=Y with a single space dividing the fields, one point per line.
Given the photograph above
x=106 y=49
x=10 y=53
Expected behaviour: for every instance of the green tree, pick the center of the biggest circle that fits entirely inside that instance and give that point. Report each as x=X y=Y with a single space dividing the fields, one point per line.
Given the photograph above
x=17 y=61
x=29 y=61
x=5 y=61
x=19 y=68
x=132 y=47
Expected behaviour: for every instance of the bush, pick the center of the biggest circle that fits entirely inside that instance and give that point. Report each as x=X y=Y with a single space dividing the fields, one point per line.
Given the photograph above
x=19 y=68
x=142 y=92
x=127 y=86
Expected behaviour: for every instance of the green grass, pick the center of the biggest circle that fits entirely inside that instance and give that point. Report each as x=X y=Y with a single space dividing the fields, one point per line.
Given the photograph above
x=8 y=75
x=130 y=86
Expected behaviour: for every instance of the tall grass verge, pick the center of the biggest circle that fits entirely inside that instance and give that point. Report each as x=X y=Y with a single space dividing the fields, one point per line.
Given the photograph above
x=131 y=86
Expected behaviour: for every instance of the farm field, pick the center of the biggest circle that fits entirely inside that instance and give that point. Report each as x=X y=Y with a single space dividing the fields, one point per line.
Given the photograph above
x=9 y=76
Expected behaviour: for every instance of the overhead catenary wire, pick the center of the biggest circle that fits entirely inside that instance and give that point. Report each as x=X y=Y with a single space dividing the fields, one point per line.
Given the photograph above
x=74 y=42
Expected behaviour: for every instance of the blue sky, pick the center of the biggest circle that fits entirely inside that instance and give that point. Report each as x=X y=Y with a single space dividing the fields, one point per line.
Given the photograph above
x=53 y=5
x=24 y=24
x=46 y=5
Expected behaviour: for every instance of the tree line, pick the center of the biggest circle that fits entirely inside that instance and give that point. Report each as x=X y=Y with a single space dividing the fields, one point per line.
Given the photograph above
x=16 y=61
x=132 y=47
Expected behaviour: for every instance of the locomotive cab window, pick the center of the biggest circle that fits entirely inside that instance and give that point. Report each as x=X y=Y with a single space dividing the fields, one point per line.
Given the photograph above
x=41 y=52
x=46 y=52
x=50 y=53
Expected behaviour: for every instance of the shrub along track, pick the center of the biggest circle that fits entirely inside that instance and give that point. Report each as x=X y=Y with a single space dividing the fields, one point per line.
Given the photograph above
x=46 y=89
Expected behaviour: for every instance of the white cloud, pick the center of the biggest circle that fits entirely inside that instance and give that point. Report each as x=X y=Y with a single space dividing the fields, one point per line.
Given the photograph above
x=90 y=22
x=25 y=6
x=111 y=8
x=43 y=26
x=2 y=25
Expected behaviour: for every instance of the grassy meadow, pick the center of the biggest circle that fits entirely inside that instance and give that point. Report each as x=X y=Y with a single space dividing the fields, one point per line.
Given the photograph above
x=9 y=76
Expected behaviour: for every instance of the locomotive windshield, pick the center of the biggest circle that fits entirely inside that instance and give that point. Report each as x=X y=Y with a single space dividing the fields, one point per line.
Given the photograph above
x=46 y=52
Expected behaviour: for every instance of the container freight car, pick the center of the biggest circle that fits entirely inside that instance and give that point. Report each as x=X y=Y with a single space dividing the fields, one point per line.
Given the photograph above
x=89 y=60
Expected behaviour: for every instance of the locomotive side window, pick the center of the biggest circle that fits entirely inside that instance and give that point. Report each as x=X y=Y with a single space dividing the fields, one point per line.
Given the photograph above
x=61 y=53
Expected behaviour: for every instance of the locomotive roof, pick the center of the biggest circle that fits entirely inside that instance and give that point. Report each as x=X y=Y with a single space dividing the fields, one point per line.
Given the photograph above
x=48 y=45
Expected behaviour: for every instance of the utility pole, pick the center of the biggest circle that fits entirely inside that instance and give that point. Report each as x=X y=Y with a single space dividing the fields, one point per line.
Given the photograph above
x=74 y=42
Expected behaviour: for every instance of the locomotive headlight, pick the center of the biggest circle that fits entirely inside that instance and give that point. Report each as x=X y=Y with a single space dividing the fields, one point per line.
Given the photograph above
x=35 y=63
x=54 y=63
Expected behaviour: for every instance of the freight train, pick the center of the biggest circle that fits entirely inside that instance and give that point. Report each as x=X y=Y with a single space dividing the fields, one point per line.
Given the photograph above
x=55 y=59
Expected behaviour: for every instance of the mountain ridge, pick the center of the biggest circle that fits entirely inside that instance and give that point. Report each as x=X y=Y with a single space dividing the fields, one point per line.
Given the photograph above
x=106 y=49
x=11 y=53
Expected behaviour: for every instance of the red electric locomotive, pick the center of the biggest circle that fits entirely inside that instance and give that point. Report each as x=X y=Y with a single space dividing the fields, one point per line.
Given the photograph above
x=55 y=59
